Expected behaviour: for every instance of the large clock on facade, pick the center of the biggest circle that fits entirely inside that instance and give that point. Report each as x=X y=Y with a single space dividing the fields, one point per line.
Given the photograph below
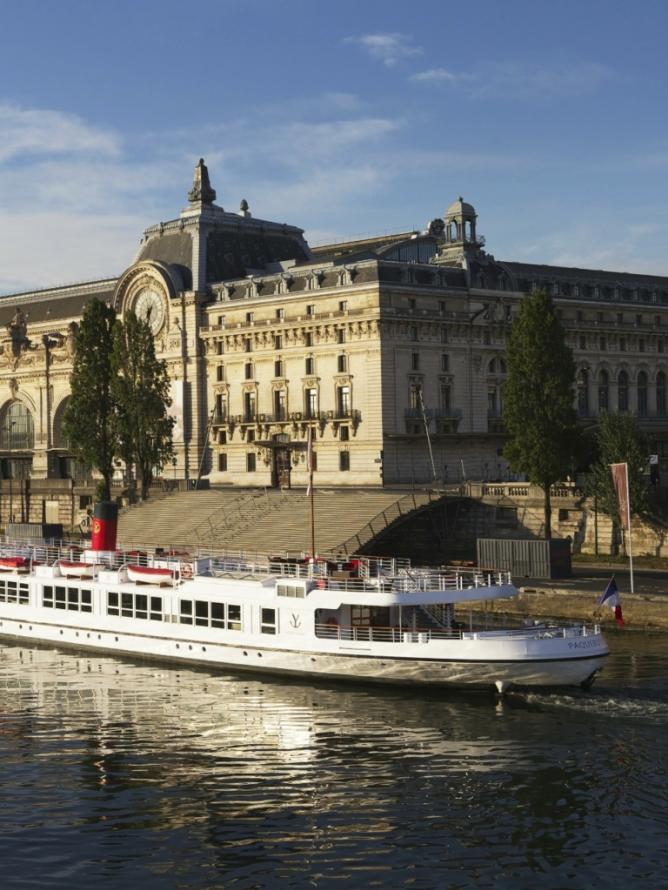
x=149 y=306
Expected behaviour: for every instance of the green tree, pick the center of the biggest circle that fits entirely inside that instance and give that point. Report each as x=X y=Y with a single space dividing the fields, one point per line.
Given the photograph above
x=89 y=421
x=619 y=439
x=538 y=396
x=141 y=392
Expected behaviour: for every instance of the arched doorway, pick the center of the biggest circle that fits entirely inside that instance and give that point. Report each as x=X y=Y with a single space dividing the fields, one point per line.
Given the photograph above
x=17 y=442
x=281 y=461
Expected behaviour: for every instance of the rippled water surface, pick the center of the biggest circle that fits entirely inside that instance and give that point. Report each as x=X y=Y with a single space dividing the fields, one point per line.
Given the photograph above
x=124 y=774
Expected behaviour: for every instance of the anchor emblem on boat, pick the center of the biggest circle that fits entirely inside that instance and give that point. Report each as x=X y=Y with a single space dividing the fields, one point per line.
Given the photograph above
x=295 y=621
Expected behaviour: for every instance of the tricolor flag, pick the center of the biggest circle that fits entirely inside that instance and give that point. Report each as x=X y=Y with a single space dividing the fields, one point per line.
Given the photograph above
x=610 y=598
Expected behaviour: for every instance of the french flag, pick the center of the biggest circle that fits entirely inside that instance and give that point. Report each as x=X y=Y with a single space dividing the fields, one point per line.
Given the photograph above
x=610 y=597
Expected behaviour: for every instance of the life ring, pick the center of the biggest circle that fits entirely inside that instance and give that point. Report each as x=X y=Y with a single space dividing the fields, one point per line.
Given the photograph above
x=186 y=571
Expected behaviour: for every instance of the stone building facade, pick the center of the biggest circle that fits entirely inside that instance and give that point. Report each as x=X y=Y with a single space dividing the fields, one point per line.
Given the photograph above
x=366 y=343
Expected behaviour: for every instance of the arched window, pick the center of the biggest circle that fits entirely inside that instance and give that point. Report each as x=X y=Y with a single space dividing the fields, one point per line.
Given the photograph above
x=17 y=432
x=603 y=391
x=661 y=394
x=622 y=392
x=642 y=394
x=583 y=393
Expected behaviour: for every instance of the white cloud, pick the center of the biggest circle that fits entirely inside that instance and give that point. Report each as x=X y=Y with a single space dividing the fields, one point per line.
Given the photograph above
x=46 y=132
x=512 y=80
x=387 y=48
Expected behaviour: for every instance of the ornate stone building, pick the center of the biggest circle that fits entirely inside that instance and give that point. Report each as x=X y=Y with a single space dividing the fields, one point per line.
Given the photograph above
x=366 y=342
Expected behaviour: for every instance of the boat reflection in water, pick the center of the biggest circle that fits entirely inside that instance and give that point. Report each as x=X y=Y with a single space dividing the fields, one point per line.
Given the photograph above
x=126 y=773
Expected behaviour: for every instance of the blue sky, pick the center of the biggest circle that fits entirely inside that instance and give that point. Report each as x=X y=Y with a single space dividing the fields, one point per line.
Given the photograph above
x=347 y=118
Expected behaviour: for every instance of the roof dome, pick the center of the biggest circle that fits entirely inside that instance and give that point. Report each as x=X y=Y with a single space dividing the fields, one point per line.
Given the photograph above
x=460 y=208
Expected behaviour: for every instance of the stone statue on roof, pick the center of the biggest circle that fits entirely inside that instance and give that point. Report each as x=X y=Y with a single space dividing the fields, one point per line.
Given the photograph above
x=201 y=192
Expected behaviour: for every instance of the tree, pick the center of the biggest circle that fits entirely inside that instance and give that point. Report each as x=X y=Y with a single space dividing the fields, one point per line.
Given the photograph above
x=538 y=397
x=619 y=439
x=141 y=393
x=89 y=421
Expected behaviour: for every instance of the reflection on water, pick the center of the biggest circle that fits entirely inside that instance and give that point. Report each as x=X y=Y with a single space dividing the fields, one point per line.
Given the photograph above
x=116 y=772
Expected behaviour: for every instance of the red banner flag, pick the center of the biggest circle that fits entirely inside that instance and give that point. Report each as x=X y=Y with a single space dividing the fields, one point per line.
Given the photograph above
x=620 y=479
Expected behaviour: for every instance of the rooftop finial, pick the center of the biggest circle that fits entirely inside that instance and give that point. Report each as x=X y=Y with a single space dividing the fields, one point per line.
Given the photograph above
x=201 y=190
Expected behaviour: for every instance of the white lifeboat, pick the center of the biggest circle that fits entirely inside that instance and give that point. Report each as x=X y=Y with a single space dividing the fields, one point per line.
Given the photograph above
x=14 y=564
x=150 y=575
x=76 y=569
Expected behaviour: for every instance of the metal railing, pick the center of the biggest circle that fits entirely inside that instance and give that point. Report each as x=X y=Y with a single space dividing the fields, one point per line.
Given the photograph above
x=425 y=635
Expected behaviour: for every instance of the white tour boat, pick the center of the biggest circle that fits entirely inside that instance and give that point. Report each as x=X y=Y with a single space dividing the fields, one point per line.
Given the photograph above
x=366 y=619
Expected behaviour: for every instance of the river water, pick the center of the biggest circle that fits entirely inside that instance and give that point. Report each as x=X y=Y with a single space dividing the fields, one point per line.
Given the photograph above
x=126 y=774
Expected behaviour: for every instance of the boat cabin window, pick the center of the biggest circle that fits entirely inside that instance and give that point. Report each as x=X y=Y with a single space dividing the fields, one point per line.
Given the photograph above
x=268 y=623
x=72 y=598
x=207 y=614
x=294 y=590
x=134 y=605
x=13 y=592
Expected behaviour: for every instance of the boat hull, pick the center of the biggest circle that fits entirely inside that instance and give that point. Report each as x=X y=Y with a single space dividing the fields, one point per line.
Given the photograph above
x=554 y=666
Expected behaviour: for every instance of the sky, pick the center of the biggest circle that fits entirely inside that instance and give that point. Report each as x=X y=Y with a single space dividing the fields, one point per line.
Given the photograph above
x=348 y=119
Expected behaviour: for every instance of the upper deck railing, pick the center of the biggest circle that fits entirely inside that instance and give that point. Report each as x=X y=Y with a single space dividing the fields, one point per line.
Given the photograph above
x=328 y=572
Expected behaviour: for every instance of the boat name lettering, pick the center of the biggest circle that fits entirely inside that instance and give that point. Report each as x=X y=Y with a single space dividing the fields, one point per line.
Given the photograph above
x=585 y=644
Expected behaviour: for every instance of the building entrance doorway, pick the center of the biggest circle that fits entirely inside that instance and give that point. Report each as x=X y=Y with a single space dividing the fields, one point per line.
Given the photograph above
x=281 y=466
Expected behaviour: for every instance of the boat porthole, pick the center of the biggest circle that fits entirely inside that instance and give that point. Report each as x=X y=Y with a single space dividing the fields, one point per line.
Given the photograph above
x=76 y=634
x=203 y=648
x=116 y=638
x=61 y=633
x=178 y=646
x=191 y=648
x=259 y=655
x=30 y=627
x=99 y=636
x=88 y=636
x=313 y=659
x=20 y=627
x=245 y=653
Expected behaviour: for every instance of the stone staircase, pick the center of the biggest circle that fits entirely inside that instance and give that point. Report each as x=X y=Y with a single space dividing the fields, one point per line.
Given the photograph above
x=258 y=519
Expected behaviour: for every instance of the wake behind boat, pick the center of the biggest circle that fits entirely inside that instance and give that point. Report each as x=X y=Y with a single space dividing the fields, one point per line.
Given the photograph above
x=363 y=618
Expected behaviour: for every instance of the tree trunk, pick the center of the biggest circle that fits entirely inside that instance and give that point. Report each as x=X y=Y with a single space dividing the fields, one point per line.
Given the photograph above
x=548 y=512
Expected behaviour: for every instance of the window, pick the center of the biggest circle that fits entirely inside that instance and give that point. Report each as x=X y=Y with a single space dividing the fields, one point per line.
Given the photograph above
x=280 y=313
x=661 y=394
x=441 y=307
x=291 y=590
x=343 y=401
x=278 y=341
x=221 y=321
x=411 y=304
x=279 y=404
x=249 y=317
x=220 y=373
x=641 y=344
x=444 y=335
x=250 y=462
x=311 y=402
x=343 y=305
x=583 y=393
x=578 y=315
x=622 y=392
x=308 y=339
x=622 y=344
x=445 y=398
x=220 y=347
x=602 y=344
x=11 y=592
x=211 y=614
x=583 y=341
x=309 y=365
x=248 y=370
x=638 y=320
x=221 y=407
x=278 y=368
x=486 y=338
x=268 y=621
x=642 y=394
x=342 y=363
x=314 y=460
x=248 y=344
x=413 y=332
x=414 y=395
x=415 y=361
x=344 y=434
x=222 y=462
x=445 y=362
x=603 y=391
x=249 y=406
x=250 y=435
x=133 y=605
x=341 y=335
x=659 y=345
x=599 y=316
x=620 y=318
x=310 y=309
x=344 y=461
x=222 y=437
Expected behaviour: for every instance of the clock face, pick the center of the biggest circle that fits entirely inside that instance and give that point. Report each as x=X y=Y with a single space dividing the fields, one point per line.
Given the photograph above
x=150 y=308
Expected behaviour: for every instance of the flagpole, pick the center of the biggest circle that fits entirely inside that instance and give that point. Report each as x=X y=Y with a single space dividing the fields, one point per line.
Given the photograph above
x=628 y=523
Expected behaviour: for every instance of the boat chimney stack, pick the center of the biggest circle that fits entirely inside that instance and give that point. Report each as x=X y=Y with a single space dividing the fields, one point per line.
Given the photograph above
x=105 y=522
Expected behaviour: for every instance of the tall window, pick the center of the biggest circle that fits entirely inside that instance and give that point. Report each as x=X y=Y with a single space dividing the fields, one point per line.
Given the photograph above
x=623 y=392
x=279 y=404
x=222 y=462
x=278 y=341
x=445 y=398
x=414 y=395
x=343 y=401
x=250 y=462
x=415 y=361
x=16 y=428
x=445 y=361
x=661 y=394
x=311 y=402
x=344 y=461
x=248 y=370
x=583 y=393
x=603 y=391
x=642 y=394
x=341 y=335
x=309 y=365
x=221 y=406
x=249 y=407
x=278 y=368
x=342 y=363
